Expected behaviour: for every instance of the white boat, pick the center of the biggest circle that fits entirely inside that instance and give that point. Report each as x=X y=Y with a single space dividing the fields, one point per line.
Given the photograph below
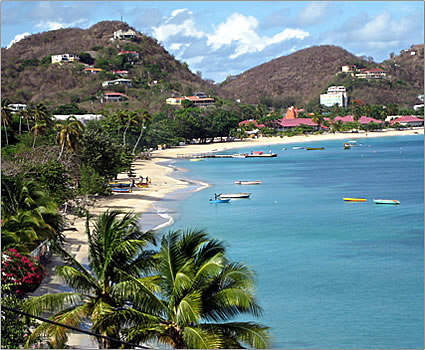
x=239 y=155
x=234 y=195
x=297 y=147
x=248 y=182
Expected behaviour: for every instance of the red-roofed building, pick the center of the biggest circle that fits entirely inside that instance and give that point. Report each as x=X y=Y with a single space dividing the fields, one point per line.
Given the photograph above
x=291 y=113
x=247 y=122
x=196 y=100
x=122 y=73
x=408 y=120
x=287 y=124
x=132 y=54
x=373 y=73
x=113 y=97
x=362 y=120
x=93 y=70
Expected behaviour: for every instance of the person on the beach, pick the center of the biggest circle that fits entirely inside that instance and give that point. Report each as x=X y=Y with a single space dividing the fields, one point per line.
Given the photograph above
x=147 y=180
x=132 y=182
x=141 y=178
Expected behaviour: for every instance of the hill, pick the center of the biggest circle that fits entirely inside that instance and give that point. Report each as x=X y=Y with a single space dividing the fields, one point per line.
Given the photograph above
x=29 y=76
x=301 y=77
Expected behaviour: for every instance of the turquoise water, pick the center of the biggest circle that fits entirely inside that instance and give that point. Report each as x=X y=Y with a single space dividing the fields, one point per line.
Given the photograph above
x=330 y=274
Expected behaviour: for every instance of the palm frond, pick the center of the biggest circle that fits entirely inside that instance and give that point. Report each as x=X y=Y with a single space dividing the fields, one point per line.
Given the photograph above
x=189 y=309
x=198 y=338
x=52 y=302
x=76 y=279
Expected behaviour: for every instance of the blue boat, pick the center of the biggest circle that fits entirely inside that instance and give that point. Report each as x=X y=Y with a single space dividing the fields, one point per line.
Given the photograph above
x=220 y=200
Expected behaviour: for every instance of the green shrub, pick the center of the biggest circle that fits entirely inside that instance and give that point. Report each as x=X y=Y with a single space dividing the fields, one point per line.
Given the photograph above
x=91 y=182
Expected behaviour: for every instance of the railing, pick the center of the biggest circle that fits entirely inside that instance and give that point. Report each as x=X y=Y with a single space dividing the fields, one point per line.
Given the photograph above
x=43 y=252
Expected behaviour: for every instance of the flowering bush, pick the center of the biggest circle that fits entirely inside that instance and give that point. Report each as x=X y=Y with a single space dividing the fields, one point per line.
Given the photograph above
x=23 y=274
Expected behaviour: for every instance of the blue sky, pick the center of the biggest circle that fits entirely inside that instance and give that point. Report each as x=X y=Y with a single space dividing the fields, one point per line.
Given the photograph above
x=221 y=38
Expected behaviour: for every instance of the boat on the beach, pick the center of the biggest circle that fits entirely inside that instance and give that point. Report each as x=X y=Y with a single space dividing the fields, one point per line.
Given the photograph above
x=248 y=182
x=121 y=190
x=386 y=201
x=119 y=184
x=142 y=184
x=297 y=147
x=234 y=195
x=314 y=148
x=355 y=199
x=219 y=200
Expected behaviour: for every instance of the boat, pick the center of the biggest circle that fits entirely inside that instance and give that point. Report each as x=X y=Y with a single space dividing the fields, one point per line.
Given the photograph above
x=196 y=159
x=347 y=146
x=234 y=195
x=314 y=148
x=121 y=190
x=220 y=200
x=296 y=147
x=119 y=184
x=386 y=201
x=253 y=155
x=142 y=184
x=248 y=182
x=284 y=148
x=355 y=199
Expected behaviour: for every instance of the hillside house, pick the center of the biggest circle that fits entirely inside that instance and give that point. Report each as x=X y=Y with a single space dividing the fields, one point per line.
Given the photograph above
x=373 y=73
x=121 y=81
x=121 y=73
x=112 y=97
x=348 y=69
x=132 y=54
x=196 y=101
x=92 y=70
x=83 y=118
x=16 y=107
x=125 y=35
x=336 y=95
x=65 y=57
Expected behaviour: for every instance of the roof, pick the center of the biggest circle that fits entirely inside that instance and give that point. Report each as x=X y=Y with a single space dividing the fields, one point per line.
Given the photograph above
x=120 y=71
x=405 y=119
x=113 y=94
x=246 y=122
x=95 y=69
x=127 y=52
x=362 y=120
x=295 y=122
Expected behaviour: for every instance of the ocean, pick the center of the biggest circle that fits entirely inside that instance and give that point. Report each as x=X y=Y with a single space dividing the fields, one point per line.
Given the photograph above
x=330 y=274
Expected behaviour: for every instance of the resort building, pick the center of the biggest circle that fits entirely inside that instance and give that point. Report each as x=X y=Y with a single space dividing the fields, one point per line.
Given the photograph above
x=123 y=35
x=121 y=81
x=93 y=70
x=373 y=73
x=408 y=120
x=362 y=120
x=196 y=101
x=84 y=118
x=336 y=95
x=16 y=107
x=288 y=124
x=291 y=113
x=65 y=57
x=112 y=97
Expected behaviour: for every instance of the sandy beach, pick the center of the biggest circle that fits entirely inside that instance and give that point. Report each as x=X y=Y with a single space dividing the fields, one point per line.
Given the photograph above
x=141 y=199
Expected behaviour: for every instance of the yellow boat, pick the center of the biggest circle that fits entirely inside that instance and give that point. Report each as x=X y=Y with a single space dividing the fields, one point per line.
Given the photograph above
x=355 y=199
x=196 y=159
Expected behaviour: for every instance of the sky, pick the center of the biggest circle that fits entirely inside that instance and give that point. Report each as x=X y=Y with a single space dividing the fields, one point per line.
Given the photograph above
x=222 y=38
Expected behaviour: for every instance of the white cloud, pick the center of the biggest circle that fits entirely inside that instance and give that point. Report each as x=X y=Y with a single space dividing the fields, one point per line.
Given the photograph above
x=17 y=38
x=242 y=31
x=54 y=25
x=313 y=13
x=176 y=12
x=175 y=46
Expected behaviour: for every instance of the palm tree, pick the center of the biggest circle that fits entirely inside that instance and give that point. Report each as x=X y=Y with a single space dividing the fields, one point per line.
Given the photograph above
x=318 y=119
x=39 y=126
x=6 y=116
x=191 y=302
x=119 y=117
x=144 y=118
x=69 y=134
x=116 y=244
x=132 y=118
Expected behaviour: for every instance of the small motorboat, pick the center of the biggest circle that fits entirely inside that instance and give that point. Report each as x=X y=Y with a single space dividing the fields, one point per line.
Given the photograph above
x=121 y=190
x=234 y=195
x=261 y=154
x=314 y=148
x=284 y=148
x=119 y=184
x=386 y=201
x=248 y=182
x=347 y=145
x=142 y=184
x=239 y=155
x=355 y=199
x=296 y=147
x=220 y=200
x=196 y=159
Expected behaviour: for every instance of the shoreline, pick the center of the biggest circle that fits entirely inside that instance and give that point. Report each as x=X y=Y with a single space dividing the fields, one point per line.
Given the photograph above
x=142 y=200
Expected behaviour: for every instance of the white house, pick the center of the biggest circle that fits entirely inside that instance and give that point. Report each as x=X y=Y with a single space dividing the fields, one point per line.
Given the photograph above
x=16 y=107
x=335 y=95
x=65 y=57
x=117 y=82
x=121 y=34
x=84 y=118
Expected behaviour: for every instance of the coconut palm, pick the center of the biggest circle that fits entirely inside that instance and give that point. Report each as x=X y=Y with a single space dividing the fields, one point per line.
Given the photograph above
x=318 y=119
x=144 y=119
x=6 y=116
x=38 y=127
x=191 y=302
x=116 y=243
x=132 y=119
x=69 y=134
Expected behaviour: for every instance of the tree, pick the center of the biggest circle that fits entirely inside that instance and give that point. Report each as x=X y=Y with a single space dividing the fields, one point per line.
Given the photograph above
x=318 y=119
x=193 y=297
x=6 y=116
x=145 y=118
x=69 y=134
x=116 y=244
x=132 y=119
x=38 y=127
